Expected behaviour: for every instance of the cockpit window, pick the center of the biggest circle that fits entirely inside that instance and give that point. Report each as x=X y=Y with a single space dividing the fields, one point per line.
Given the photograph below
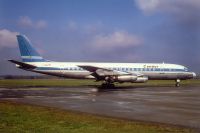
x=185 y=68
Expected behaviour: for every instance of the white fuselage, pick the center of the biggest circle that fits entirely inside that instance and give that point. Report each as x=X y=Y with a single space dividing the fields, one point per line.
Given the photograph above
x=151 y=70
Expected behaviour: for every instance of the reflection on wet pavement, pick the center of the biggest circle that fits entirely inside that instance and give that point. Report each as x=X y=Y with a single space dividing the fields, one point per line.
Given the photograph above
x=171 y=105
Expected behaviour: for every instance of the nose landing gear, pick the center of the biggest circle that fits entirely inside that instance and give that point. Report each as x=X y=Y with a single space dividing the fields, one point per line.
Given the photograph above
x=178 y=82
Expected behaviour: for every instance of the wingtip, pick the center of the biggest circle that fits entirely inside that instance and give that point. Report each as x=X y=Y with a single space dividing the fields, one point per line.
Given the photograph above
x=10 y=60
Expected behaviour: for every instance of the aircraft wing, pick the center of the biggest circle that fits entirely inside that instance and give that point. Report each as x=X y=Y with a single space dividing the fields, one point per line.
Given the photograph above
x=99 y=72
x=23 y=65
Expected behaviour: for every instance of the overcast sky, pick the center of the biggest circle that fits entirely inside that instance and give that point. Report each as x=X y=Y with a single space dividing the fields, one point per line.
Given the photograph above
x=102 y=31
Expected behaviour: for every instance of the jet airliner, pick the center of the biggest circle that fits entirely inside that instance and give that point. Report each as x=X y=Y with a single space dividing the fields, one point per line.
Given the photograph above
x=109 y=73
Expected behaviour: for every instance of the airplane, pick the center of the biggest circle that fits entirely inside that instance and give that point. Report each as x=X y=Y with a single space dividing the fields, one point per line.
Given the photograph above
x=109 y=73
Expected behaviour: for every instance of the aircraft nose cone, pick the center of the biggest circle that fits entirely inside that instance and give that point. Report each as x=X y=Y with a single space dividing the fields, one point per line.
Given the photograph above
x=194 y=75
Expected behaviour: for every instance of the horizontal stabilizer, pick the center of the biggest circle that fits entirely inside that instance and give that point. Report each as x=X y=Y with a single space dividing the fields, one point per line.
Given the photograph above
x=23 y=65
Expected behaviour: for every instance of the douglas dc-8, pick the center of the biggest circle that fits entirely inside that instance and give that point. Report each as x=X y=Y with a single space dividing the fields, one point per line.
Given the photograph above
x=109 y=73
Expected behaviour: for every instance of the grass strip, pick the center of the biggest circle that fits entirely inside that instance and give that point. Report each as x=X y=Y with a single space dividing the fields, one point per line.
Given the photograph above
x=24 y=118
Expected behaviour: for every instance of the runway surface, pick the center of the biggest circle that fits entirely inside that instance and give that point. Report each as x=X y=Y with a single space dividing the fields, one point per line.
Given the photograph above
x=179 y=106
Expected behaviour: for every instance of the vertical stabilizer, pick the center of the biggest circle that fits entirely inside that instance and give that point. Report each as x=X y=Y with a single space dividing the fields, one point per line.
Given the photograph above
x=27 y=51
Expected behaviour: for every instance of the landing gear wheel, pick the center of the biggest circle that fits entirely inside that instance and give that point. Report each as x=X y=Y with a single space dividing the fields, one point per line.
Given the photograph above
x=108 y=85
x=178 y=82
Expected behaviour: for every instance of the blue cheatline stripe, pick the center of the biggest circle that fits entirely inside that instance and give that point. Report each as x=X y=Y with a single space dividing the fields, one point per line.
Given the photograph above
x=31 y=57
x=34 y=60
x=78 y=69
x=57 y=68
x=48 y=68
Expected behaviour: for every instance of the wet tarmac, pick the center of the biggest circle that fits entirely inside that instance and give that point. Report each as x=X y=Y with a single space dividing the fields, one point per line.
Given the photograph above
x=178 y=106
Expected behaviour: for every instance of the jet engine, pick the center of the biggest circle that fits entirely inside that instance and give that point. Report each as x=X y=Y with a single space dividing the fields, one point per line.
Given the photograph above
x=141 y=79
x=131 y=78
x=126 y=78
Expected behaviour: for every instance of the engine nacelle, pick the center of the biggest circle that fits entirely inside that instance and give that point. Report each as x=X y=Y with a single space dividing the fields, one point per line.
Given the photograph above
x=126 y=78
x=131 y=78
x=141 y=79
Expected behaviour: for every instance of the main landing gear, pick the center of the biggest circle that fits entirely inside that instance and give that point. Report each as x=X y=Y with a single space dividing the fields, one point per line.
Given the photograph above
x=108 y=85
x=178 y=82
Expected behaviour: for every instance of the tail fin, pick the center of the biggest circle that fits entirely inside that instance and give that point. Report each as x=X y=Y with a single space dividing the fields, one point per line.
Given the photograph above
x=28 y=53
